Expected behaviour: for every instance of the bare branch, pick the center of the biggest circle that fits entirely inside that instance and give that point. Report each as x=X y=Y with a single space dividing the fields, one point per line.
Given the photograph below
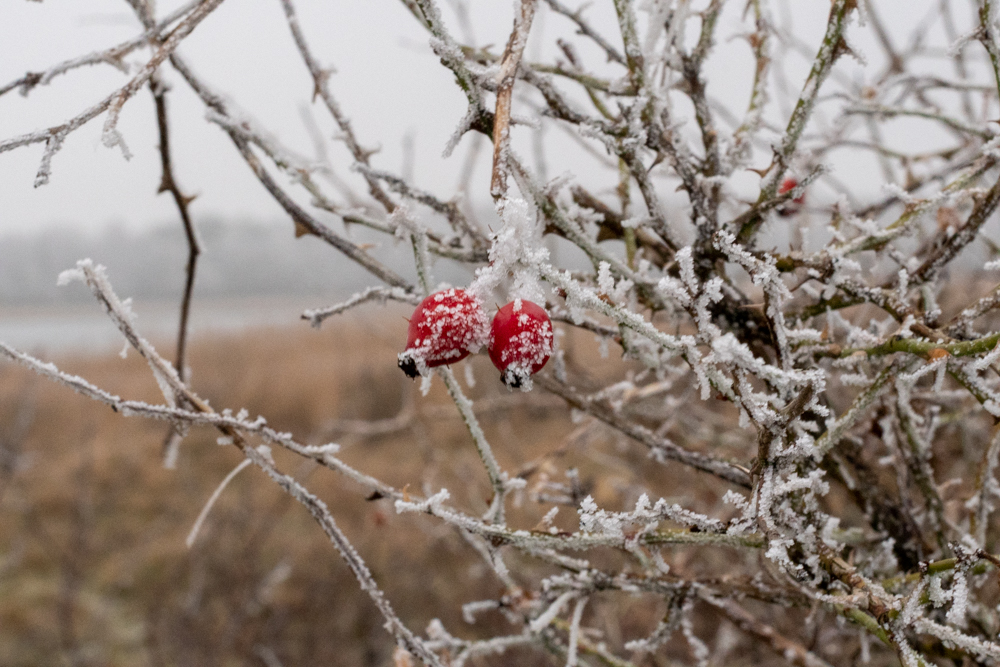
x=113 y=103
x=509 y=63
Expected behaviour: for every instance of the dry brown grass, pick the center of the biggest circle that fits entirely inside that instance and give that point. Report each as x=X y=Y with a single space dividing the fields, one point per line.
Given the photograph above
x=93 y=567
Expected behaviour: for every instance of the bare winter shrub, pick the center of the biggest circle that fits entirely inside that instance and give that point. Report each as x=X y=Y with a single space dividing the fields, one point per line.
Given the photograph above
x=826 y=398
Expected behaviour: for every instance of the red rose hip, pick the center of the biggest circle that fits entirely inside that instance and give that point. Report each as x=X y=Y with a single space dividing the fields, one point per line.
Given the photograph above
x=445 y=328
x=795 y=205
x=520 y=341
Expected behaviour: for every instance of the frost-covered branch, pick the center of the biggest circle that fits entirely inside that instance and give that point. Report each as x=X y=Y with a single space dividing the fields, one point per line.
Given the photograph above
x=113 y=103
x=381 y=294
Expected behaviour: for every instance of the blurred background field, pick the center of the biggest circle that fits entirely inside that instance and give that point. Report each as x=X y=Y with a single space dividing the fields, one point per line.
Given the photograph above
x=93 y=564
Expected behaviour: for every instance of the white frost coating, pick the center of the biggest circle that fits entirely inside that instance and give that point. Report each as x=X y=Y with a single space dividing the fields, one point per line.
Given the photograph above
x=986 y=361
x=112 y=137
x=330 y=448
x=605 y=281
x=471 y=609
x=735 y=499
x=955 y=639
x=549 y=517
x=909 y=657
x=69 y=275
x=574 y=633
x=464 y=125
x=432 y=503
x=936 y=593
x=241 y=123
x=543 y=620
x=663 y=632
x=698 y=648
x=120 y=312
x=380 y=294
x=959 y=600
x=911 y=608
x=516 y=250
x=614 y=524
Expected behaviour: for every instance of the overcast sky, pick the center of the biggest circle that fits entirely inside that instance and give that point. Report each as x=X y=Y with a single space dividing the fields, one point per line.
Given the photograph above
x=387 y=80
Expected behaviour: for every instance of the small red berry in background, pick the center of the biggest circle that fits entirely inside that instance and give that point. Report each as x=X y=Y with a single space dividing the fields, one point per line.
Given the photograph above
x=445 y=328
x=520 y=341
x=795 y=205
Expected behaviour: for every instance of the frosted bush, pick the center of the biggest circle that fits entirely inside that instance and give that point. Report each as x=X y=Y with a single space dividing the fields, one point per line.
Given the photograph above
x=835 y=332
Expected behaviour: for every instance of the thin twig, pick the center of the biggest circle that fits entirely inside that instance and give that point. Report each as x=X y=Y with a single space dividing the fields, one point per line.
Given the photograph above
x=660 y=447
x=321 y=77
x=169 y=184
x=112 y=56
x=509 y=63
x=55 y=135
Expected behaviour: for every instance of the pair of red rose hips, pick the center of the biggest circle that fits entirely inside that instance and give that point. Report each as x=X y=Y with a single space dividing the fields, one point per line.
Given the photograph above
x=448 y=325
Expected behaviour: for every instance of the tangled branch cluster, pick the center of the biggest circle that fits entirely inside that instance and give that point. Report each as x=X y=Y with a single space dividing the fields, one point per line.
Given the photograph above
x=851 y=365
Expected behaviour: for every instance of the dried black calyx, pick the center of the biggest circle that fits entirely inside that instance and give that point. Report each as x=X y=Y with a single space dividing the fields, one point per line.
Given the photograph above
x=409 y=366
x=511 y=379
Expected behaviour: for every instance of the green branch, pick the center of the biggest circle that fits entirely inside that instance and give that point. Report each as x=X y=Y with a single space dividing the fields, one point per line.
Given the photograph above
x=922 y=347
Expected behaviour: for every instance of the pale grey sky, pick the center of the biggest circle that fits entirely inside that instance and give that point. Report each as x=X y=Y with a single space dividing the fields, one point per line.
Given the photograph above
x=387 y=81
